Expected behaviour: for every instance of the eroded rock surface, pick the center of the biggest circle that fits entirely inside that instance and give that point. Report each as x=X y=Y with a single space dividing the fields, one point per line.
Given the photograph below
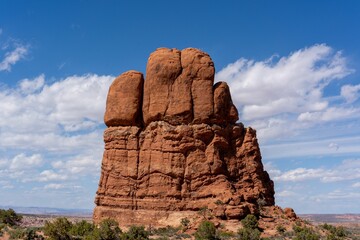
x=173 y=147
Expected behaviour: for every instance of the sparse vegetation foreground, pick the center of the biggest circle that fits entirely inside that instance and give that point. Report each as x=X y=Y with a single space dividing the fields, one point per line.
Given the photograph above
x=63 y=229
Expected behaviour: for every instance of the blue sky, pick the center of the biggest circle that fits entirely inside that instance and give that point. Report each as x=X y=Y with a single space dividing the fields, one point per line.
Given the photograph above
x=293 y=68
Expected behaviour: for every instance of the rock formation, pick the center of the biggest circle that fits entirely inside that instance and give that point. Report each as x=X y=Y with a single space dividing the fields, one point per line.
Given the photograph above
x=173 y=147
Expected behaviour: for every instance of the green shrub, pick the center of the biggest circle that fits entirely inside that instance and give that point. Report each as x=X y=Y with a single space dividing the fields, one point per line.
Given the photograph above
x=248 y=234
x=225 y=235
x=219 y=202
x=31 y=234
x=250 y=229
x=108 y=230
x=185 y=223
x=335 y=233
x=59 y=229
x=2 y=226
x=24 y=234
x=280 y=229
x=304 y=233
x=16 y=233
x=10 y=217
x=136 y=233
x=165 y=231
x=250 y=222
x=81 y=229
x=206 y=231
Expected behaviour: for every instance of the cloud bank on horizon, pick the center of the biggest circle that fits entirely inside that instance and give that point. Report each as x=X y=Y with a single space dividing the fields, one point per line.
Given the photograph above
x=51 y=131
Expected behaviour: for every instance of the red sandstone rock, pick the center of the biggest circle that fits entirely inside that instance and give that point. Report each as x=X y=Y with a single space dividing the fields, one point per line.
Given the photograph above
x=190 y=154
x=290 y=213
x=224 y=109
x=178 y=86
x=123 y=104
x=199 y=67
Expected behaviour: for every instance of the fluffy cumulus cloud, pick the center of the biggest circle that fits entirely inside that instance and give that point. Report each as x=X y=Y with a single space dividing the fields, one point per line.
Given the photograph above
x=283 y=94
x=72 y=104
x=51 y=133
x=304 y=115
x=21 y=161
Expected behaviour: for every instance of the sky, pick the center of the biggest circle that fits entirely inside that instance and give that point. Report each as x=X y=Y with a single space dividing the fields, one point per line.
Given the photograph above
x=292 y=66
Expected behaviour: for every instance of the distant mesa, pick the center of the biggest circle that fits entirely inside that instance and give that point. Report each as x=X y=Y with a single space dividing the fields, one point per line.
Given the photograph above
x=173 y=146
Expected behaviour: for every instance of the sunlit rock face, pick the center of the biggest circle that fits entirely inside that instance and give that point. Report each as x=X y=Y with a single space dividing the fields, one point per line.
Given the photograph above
x=173 y=146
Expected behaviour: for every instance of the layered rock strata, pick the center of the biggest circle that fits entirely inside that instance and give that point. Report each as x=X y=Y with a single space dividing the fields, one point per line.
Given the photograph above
x=173 y=147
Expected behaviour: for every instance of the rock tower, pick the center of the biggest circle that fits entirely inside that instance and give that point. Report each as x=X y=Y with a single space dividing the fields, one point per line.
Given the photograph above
x=173 y=146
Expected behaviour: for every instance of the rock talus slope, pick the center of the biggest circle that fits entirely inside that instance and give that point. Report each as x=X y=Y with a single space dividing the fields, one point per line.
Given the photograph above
x=173 y=147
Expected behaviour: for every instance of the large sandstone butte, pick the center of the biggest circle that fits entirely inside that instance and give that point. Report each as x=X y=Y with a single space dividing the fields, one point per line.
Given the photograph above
x=173 y=146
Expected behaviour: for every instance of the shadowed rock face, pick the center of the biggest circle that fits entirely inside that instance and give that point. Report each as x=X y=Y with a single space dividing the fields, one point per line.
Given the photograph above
x=173 y=146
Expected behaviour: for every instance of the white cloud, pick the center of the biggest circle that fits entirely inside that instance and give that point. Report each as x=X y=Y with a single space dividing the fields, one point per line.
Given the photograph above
x=28 y=86
x=326 y=146
x=329 y=114
x=300 y=174
x=333 y=146
x=54 y=186
x=347 y=170
x=340 y=195
x=13 y=57
x=292 y=84
x=285 y=193
x=350 y=92
x=82 y=164
x=50 y=175
x=22 y=161
x=40 y=115
x=356 y=185
x=43 y=123
x=281 y=96
x=1 y=31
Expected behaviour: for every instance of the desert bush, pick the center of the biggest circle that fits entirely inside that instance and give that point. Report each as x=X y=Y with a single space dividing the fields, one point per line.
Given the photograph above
x=24 y=233
x=108 y=229
x=9 y=217
x=304 y=233
x=2 y=228
x=31 y=234
x=280 y=229
x=206 y=231
x=223 y=235
x=335 y=233
x=250 y=222
x=81 y=229
x=185 y=223
x=136 y=233
x=248 y=234
x=219 y=202
x=250 y=229
x=59 y=229
x=165 y=231
x=16 y=233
